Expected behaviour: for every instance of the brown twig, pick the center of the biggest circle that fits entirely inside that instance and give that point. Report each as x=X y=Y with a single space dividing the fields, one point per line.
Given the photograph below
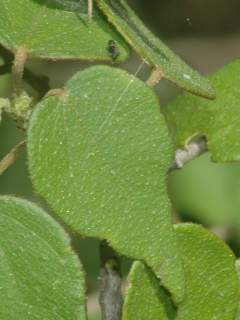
x=38 y=83
x=90 y=10
x=110 y=299
x=11 y=157
x=18 y=69
x=154 y=78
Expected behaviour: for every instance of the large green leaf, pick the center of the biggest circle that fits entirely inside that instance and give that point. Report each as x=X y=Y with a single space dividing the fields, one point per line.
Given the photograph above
x=211 y=282
x=154 y=51
x=99 y=152
x=218 y=120
x=40 y=277
x=48 y=30
x=146 y=299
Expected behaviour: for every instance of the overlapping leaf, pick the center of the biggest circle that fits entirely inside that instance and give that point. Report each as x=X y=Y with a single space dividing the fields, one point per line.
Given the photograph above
x=99 y=152
x=40 y=277
x=211 y=279
x=218 y=120
x=211 y=282
x=154 y=51
x=146 y=299
x=47 y=30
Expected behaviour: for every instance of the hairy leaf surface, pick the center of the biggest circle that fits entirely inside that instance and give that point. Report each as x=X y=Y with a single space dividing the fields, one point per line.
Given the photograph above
x=99 y=152
x=211 y=279
x=146 y=299
x=211 y=282
x=40 y=276
x=48 y=30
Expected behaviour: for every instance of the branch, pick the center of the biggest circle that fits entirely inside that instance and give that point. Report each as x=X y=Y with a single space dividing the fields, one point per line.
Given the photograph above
x=18 y=69
x=154 y=78
x=11 y=157
x=90 y=10
x=110 y=299
x=192 y=151
x=38 y=83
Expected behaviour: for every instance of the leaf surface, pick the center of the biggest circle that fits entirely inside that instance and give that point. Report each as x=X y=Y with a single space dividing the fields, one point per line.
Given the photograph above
x=146 y=299
x=211 y=282
x=48 y=30
x=153 y=50
x=99 y=152
x=40 y=276
x=218 y=120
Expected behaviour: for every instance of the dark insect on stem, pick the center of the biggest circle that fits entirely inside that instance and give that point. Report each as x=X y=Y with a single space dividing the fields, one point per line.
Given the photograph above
x=113 y=49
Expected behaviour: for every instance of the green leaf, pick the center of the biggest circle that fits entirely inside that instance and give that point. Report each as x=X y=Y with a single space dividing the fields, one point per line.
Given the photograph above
x=99 y=152
x=154 y=51
x=218 y=120
x=211 y=282
x=47 y=30
x=40 y=277
x=146 y=299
